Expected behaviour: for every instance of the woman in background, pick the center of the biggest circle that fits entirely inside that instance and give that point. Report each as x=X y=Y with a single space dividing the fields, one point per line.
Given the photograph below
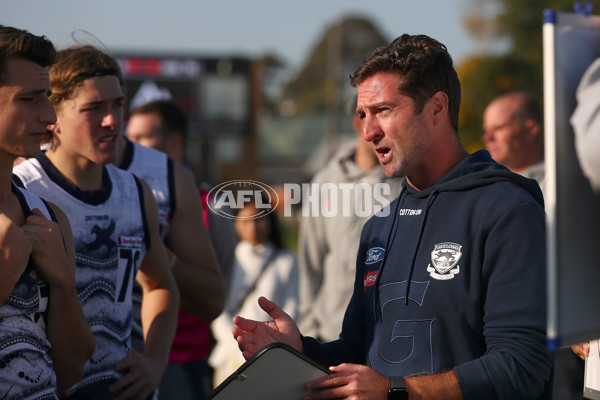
x=262 y=267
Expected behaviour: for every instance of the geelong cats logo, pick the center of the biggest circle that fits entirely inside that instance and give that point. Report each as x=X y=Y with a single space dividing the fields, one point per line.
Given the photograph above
x=444 y=259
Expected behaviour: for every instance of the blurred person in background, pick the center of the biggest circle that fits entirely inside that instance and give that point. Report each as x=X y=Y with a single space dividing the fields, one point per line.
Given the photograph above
x=513 y=134
x=327 y=246
x=262 y=267
x=162 y=125
x=154 y=150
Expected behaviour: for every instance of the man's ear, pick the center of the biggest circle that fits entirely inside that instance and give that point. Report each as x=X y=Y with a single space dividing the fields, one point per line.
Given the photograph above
x=533 y=132
x=437 y=106
x=533 y=127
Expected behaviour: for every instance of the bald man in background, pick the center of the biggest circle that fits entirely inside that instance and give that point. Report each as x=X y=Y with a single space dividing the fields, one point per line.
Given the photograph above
x=513 y=134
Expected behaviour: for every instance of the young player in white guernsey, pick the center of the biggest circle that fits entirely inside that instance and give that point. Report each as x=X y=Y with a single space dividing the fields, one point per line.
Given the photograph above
x=156 y=169
x=44 y=336
x=192 y=255
x=23 y=328
x=115 y=220
x=194 y=263
x=111 y=239
x=155 y=153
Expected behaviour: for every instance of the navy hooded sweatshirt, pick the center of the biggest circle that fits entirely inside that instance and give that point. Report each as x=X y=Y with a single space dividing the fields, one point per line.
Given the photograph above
x=454 y=278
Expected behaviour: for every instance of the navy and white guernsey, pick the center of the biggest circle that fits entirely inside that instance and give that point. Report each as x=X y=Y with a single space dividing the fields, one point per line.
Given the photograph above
x=25 y=364
x=156 y=168
x=111 y=238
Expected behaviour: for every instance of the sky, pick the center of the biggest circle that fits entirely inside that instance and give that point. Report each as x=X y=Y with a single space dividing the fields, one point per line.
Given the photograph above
x=247 y=28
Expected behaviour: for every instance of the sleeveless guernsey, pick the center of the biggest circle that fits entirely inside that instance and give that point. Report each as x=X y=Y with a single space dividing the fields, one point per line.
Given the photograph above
x=156 y=168
x=25 y=364
x=111 y=238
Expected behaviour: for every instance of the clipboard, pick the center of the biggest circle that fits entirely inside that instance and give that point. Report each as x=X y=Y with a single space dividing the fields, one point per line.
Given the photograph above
x=591 y=385
x=275 y=372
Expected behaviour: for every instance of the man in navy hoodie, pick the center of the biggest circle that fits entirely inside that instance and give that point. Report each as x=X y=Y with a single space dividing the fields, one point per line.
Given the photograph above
x=449 y=296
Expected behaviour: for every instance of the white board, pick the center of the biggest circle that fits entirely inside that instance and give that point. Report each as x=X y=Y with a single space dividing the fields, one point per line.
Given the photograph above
x=571 y=43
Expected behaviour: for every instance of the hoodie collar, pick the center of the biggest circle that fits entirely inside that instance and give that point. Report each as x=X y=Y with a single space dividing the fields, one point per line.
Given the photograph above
x=476 y=170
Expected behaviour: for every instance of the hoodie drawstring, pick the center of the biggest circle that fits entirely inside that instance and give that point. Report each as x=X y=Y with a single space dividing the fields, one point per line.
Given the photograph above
x=390 y=237
x=392 y=234
x=430 y=199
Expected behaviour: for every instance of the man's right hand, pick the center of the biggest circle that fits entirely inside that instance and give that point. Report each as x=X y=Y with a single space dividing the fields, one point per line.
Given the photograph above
x=254 y=335
x=14 y=254
x=48 y=250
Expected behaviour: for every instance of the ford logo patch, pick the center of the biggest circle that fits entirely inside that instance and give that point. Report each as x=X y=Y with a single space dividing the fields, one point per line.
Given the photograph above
x=374 y=255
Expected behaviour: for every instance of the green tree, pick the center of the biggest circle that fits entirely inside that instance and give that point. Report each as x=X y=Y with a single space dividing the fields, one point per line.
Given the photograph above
x=518 y=24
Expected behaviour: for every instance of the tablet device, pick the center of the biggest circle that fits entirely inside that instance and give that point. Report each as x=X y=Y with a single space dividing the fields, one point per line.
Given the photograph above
x=275 y=372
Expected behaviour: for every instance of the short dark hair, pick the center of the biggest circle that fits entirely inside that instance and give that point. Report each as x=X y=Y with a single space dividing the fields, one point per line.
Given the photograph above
x=172 y=116
x=424 y=67
x=16 y=42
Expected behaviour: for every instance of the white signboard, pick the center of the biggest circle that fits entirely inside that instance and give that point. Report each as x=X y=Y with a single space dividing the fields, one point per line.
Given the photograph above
x=571 y=44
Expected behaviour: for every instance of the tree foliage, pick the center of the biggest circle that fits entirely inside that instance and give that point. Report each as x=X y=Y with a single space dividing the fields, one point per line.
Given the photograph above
x=326 y=72
x=519 y=24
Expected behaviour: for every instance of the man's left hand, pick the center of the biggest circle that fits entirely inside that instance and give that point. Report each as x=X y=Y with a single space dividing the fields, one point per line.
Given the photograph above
x=349 y=381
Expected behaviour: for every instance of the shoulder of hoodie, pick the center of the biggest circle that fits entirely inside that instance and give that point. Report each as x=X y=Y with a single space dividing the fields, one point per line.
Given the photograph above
x=494 y=184
x=501 y=193
x=478 y=170
x=506 y=194
x=500 y=197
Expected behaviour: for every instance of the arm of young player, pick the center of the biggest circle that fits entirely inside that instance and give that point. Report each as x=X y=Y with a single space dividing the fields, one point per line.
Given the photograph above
x=196 y=270
x=67 y=327
x=141 y=373
x=14 y=255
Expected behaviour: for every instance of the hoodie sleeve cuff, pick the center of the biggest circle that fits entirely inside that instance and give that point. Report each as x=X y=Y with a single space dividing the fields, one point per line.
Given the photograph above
x=311 y=347
x=474 y=381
